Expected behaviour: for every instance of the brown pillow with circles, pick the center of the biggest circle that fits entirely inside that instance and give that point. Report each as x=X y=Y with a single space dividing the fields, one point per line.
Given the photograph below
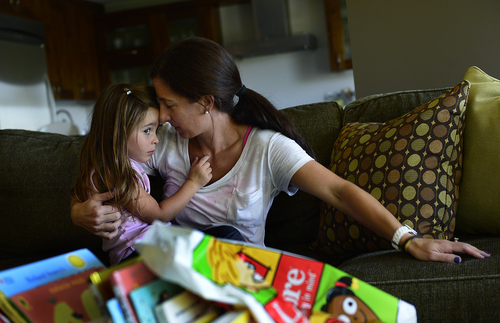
x=411 y=164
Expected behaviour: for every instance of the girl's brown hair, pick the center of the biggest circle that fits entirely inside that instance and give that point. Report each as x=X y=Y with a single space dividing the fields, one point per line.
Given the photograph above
x=104 y=152
x=197 y=66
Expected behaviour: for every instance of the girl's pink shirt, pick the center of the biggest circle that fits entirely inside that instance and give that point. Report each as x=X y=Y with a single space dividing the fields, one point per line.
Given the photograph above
x=131 y=229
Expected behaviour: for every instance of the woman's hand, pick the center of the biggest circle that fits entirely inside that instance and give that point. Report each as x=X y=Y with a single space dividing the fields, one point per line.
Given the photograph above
x=442 y=250
x=95 y=217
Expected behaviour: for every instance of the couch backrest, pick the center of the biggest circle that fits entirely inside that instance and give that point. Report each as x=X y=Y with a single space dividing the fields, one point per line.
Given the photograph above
x=296 y=218
x=37 y=171
x=387 y=106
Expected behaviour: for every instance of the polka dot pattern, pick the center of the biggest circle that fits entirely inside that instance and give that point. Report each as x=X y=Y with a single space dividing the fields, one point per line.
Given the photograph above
x=412 y=165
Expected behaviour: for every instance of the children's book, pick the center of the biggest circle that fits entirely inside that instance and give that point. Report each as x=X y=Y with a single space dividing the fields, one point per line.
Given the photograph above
x=65 y=300
x=29 y=276
x=9 y=310
x=186 y=307
x=115 y=310
x=239 y=316
x=124 y=280
x=3 y=318
x=100 y=286
x=145 y=298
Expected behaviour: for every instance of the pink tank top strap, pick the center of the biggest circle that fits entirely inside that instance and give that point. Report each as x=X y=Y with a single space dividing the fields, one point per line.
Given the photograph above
x=246 y=135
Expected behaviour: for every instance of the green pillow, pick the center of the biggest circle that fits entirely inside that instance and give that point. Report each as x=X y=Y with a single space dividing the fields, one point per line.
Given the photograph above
x=411 y=164
x=479 y=202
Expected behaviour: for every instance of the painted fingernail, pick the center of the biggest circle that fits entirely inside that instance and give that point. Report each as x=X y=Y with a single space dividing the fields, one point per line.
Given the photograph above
x=456 y=260
x=112 y=190
x=486 y=252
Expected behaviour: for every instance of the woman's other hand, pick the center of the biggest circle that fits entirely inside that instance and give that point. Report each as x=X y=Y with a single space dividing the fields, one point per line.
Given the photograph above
x=95 y=217
x=442 y=250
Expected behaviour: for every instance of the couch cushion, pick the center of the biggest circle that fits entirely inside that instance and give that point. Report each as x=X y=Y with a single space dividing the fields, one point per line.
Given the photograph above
x=479 y=204
x=411 y=164
x=36 y=174
x=295 y=219
x=441 y=292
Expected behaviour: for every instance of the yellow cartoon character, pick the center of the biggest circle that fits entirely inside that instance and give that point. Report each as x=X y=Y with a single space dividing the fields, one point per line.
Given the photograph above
x=345 y=306
x=237 y=265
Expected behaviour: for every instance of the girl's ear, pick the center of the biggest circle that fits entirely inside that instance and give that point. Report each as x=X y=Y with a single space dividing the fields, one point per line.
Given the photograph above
x=207 y=101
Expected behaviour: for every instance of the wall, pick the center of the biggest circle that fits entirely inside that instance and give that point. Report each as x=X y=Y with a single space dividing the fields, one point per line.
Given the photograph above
x=405 y=45
x=293 y=78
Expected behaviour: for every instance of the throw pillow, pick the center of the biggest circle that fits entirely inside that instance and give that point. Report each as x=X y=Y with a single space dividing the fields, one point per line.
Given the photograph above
x=411 y=164
x=480 y=188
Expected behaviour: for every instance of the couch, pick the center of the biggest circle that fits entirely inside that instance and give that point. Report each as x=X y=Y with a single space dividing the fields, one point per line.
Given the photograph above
x=38 y=169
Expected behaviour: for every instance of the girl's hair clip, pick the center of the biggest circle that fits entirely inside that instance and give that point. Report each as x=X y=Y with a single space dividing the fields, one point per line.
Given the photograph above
x=127 y=90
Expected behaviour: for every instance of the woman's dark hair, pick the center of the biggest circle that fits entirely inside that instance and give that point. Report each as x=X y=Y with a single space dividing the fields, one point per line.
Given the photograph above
x=197 y=66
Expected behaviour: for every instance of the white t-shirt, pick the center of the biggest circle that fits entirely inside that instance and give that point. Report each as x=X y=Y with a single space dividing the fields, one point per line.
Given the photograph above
x=242 y=197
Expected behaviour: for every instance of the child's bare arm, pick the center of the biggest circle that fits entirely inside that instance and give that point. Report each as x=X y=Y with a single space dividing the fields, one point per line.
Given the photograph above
x=199 y=175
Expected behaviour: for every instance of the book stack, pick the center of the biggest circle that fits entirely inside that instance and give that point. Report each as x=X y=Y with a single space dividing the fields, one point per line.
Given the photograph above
x=77 y=287
x=51 y=290
x=131 y=293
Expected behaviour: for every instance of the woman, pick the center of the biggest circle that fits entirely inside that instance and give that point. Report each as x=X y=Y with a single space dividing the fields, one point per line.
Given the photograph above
x=210 y=112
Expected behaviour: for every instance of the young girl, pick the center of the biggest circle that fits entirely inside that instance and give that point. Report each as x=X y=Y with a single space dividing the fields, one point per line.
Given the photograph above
x=122 y=136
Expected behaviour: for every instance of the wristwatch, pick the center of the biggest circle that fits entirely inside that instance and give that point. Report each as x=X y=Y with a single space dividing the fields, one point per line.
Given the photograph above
x=401 y=231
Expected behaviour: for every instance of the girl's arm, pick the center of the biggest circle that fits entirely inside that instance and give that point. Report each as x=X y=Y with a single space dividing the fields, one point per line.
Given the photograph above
x=149 y=210
x=364 y=208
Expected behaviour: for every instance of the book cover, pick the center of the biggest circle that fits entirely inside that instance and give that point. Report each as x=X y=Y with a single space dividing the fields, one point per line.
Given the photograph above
x=145 y=298
x=29 y=276
x=65 y=300
x=126 y=279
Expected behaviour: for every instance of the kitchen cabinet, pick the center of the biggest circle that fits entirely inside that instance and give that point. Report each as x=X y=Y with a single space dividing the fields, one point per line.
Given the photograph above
x=25 y=8
x=338 y=35
x=132 y=39
x=71 y=48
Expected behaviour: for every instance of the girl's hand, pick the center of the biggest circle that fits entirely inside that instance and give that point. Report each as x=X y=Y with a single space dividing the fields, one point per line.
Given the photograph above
x=442 y=250
x=200 y=172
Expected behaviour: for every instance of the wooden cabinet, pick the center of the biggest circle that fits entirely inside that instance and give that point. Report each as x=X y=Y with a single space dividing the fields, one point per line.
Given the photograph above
x=71 y=48
x=25 y=8
x=338 y=35
x=133 y=39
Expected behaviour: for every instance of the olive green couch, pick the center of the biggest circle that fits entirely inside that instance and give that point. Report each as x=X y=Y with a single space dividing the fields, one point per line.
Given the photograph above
x=37 y=170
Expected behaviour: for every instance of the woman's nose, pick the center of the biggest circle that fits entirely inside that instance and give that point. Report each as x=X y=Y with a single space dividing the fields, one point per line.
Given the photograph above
x=164 y=115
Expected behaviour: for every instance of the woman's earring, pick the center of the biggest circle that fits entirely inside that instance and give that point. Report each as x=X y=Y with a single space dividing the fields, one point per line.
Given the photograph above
x=206 y=111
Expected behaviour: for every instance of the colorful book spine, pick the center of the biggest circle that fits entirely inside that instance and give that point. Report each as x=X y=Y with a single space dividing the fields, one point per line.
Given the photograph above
x=100 y=286
x=64 y=300
x=21 y=278
x=124 y=280
x=145 y=298
x=115 y=310
x=239 y=316
x=10 y=310
x=186 y=307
